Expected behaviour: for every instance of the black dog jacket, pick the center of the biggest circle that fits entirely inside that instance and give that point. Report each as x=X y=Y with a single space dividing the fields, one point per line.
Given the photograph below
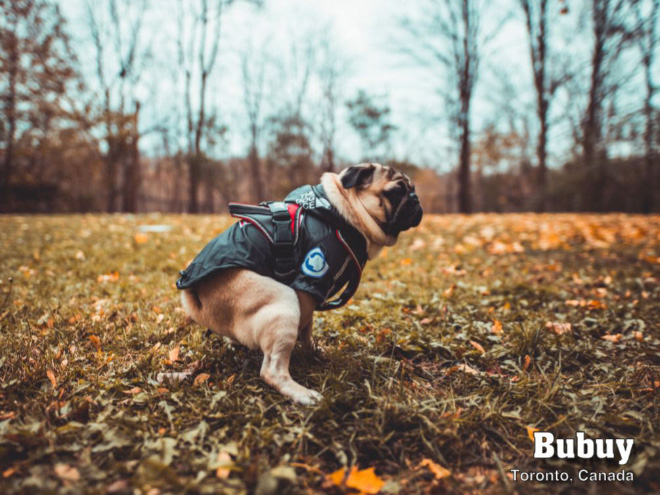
x=302 y=242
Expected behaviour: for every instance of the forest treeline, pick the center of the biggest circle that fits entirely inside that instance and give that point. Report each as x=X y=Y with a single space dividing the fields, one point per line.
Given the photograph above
x=91 y=139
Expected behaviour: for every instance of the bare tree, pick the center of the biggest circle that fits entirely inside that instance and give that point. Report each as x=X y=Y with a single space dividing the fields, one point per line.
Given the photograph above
x=120 y=58
x=448 y=35
x=647 y=43
x=330 y=72
x=546 y=83
x=612 y=33
x=253 y=71
x=198 y=44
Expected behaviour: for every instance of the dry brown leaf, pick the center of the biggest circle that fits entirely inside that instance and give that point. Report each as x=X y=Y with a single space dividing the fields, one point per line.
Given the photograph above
x=438 y=471
x=174 y=353
x=66 y=472
x=478 y=347
x=51 y=377
x=558 y=327
x=201 y=378
x=96 y=342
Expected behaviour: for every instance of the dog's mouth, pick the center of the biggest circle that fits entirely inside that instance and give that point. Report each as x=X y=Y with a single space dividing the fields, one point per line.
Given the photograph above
x=407 y=215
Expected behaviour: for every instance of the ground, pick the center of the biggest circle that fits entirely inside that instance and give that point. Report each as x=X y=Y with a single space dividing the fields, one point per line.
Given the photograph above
x=462 y=340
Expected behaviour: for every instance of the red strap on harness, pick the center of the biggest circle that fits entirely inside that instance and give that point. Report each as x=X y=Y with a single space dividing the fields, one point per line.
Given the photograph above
x=293 y=208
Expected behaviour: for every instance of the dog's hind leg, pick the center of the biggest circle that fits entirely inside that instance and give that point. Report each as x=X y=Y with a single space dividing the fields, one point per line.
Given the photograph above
x=278 y=335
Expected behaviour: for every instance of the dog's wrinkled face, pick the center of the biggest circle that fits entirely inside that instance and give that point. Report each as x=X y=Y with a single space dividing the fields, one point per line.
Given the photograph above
x=388 y=195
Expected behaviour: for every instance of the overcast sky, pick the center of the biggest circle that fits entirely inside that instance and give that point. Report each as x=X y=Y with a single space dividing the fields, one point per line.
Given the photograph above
x=366 y=34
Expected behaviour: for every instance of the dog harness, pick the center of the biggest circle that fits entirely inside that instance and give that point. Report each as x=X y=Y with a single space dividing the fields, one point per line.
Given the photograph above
x=302 y=242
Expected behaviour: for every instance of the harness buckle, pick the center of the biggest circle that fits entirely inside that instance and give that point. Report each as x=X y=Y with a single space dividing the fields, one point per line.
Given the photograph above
x=282 y=239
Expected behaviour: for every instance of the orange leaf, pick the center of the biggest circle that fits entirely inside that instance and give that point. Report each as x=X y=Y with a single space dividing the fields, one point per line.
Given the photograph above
x=406 y=261
x=530 y=432
x=337 y=477
x=133 y=391
x=496 y=327
x=51 y=377
x=224 y=459
x=438 y=471
x=478 y=346
x=96 y=342
x=140 y=238
x=174 y=353
x=366 y=481
x=201 y=378
x=612 y=338
x=8 y=472
x=527 y=362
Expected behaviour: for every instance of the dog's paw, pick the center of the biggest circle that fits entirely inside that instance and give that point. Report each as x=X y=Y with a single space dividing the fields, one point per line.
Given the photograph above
x=308 y=397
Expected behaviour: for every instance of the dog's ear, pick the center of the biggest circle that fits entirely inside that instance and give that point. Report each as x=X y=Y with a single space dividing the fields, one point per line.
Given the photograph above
x=358 y=176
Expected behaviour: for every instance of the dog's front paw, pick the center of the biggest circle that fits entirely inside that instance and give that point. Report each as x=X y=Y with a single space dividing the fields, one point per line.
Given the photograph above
x=307 y=398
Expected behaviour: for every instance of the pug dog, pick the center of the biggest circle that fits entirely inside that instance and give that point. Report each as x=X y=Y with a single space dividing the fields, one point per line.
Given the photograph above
x=238 y=288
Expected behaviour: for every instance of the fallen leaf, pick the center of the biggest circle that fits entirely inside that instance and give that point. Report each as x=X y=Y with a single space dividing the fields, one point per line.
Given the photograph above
x=224 y=462
x=558 y=327
x=174 y=353
x=612 y=338
x=530 y=432
x=366 y=481
x=96 y=342
x=478 y=346
x=438 y=471
x=496 y=327
x=527 y=362
x=337 y=477
x=140 y=238
x=108 y=277
x=406 y=261
x=51 y=377
x=8 y=472
x=66 y=472
x=201 y=378
x=117 y=486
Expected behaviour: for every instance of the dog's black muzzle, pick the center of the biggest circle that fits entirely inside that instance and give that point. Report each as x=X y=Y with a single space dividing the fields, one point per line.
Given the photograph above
x=408 y=215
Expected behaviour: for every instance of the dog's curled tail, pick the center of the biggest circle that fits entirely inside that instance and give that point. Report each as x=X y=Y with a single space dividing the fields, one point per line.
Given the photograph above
x=191 y=303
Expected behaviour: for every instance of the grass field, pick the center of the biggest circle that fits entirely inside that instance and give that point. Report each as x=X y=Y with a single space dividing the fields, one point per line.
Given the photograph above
x=462 y=339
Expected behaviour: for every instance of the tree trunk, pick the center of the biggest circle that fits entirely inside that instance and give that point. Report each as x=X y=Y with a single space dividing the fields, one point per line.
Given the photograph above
x=464 y=193
x=594 y=168
x=10 y=113
x=132 y=175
